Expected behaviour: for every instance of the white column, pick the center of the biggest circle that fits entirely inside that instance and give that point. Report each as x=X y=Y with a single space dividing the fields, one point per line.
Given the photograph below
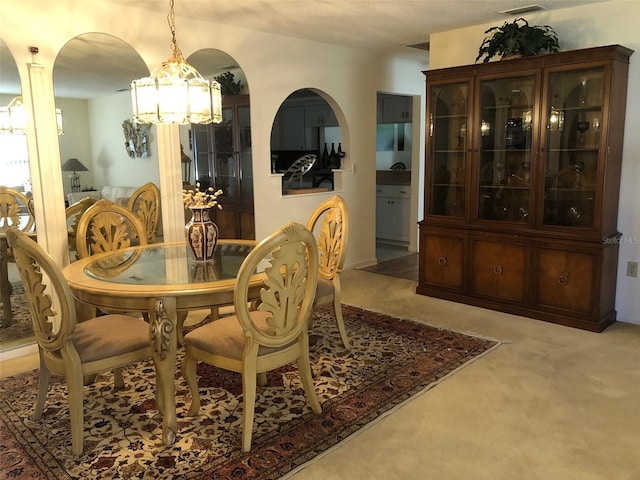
x=170 y=182
x=44 y=164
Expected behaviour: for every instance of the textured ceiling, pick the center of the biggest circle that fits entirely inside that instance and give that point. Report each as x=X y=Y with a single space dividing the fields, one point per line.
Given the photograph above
x=84 y=71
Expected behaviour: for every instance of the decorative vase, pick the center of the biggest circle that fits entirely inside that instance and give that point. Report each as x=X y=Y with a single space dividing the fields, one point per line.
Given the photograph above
x=202 y=234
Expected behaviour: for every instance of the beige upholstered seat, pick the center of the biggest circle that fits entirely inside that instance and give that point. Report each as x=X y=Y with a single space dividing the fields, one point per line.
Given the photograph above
x=73 y=214
x=72 y=349
x=105 y=227
x=145 y=203
x=275 y=334
x=331 y=219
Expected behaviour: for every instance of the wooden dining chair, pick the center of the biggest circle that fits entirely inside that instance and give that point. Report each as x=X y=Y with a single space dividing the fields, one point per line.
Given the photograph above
x=276 y=334
x=65 y=346
x=105 y=227
x=145 y=203
x=331 y=220
x=16 y=210
x=73 y=213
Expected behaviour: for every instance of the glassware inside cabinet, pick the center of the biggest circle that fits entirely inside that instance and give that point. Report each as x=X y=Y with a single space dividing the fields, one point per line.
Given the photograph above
x=505 y=169
x=224 y=155
x=448 y=149
x=573 y=147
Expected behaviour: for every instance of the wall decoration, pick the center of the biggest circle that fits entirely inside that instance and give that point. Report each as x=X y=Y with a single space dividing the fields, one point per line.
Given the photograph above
x=135 y=138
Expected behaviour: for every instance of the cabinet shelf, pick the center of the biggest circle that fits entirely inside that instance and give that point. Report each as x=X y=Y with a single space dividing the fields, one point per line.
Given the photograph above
x=523 y=233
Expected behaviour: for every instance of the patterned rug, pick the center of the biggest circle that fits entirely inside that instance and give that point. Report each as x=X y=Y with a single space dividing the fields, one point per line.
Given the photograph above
x=20 y=328
x=391 y=361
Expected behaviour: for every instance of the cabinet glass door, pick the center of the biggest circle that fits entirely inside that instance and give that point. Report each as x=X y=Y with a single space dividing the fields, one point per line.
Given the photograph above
x=574 y=118
x=504 y=157
x=448 y=149
x=244 y=151
x=224 y=161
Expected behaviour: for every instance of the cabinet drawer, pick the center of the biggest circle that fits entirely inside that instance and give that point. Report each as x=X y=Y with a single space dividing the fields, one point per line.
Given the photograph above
x=565 y=279
x=399 y=191
x=499 y=270
x=442 y=260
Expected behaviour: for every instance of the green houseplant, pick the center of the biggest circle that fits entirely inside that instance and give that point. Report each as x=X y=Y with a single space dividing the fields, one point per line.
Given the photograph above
x=518 y=38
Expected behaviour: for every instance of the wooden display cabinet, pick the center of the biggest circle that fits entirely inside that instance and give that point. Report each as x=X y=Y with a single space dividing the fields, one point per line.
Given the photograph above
x=522 y=182
x=222 y=153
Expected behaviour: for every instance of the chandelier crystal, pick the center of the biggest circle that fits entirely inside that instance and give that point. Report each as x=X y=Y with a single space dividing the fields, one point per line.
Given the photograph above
x=175 y=92
x=14 y=118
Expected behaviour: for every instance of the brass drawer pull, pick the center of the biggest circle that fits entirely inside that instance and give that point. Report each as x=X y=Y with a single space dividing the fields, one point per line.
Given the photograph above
x=497 y=270
x=564 y=278
x=442 y=261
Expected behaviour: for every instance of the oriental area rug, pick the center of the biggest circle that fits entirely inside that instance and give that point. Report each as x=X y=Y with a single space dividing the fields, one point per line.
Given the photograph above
x=391 y=361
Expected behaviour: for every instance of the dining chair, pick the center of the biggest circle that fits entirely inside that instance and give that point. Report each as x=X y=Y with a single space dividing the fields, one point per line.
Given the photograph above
x=73 y=213
x=275 y=334
x=105 y=227
x=331 y=220
x=65 y=346
x=145 y=203
x=16 y=210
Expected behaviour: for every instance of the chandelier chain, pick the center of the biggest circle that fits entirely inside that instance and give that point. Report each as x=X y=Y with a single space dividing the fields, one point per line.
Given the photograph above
x=171 y=20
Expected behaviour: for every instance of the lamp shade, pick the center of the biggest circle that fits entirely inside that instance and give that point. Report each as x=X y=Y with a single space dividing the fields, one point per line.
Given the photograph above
x=74 y=165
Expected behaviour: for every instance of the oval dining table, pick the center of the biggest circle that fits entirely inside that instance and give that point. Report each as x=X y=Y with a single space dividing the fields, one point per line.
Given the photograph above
x=164 y=281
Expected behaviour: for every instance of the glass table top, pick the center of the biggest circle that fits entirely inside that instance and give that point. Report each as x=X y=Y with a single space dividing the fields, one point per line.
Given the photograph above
x=168 y=264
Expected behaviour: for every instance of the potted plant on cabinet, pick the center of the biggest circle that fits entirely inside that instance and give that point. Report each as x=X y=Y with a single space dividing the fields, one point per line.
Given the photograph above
x=518 y=38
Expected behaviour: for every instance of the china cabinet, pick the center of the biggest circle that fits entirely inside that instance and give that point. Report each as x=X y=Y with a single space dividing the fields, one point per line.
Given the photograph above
x=222 y=153
x=521 y=185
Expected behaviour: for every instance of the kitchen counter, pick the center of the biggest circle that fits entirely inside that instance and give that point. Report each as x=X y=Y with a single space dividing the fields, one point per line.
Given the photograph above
x=393 y=177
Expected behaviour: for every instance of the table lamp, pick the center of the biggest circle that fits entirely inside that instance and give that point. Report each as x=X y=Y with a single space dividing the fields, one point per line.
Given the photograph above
x=74 y=165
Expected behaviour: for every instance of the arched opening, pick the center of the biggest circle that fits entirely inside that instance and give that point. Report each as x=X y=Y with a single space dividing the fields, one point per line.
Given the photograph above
x=91 y=78
x=306 y=143
x=221 y=153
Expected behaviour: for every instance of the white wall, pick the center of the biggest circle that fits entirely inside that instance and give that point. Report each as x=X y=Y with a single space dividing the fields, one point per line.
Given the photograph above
x=76 y=140
x=274 y=66
x=111 y=163
x=607 y=23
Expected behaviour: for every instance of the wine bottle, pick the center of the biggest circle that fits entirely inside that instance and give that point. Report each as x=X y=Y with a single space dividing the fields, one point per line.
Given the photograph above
x=340 y=155
x=332 y=156
x=325 y=158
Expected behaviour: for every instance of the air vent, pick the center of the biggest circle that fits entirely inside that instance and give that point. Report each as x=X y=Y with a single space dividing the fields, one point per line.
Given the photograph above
x=521 y=10
x=420 y=46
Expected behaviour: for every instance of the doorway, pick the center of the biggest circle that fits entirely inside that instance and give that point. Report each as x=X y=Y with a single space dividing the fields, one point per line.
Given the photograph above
x=394 y=144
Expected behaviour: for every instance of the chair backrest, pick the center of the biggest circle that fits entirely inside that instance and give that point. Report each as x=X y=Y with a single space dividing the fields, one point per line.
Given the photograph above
x=301 y=166
x=15 y=210
x=50 y=300
x=145 y=203
x=105 y=227
x=73 y=213
x=290 y=258
x=332 y=219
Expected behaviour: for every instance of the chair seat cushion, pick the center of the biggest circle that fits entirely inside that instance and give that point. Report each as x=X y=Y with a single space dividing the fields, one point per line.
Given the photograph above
x=225 y=336
x=110 y=336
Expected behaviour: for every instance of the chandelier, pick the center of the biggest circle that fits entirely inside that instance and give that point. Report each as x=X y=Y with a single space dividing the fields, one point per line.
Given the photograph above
x=14 y=118
x=175 y=92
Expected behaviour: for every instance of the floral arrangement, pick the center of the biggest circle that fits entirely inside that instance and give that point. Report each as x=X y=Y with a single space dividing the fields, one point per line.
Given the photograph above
x=197 y=198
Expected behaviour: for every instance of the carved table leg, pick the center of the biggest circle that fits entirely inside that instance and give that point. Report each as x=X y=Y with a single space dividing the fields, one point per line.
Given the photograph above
x=163 y=337
x=5 y=286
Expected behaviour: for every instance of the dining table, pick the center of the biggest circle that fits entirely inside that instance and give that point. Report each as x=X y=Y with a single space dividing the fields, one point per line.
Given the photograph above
x=162 y=280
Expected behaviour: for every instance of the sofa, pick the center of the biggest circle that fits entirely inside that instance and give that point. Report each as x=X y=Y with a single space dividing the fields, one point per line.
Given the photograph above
x=117 y=194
